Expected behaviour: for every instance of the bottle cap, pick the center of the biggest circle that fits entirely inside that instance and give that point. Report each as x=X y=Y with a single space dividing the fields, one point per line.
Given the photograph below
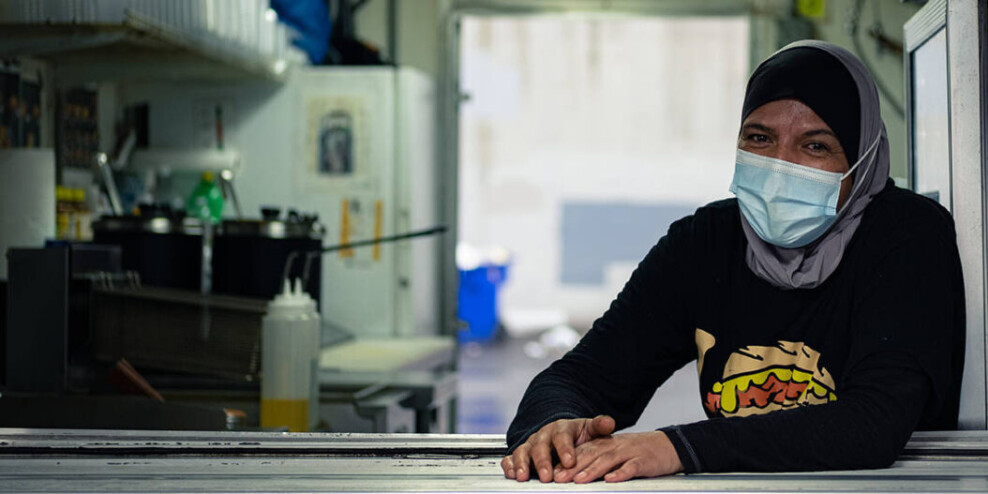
x=292 y=299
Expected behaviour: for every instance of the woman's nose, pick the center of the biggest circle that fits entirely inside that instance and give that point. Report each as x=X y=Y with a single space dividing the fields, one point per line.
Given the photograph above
x=785 y=152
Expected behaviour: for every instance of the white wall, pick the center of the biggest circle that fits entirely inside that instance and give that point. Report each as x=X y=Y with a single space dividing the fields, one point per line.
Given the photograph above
x=258 y=121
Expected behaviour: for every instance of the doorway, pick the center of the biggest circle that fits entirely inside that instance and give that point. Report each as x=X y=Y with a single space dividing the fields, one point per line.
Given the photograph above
x=581 y=138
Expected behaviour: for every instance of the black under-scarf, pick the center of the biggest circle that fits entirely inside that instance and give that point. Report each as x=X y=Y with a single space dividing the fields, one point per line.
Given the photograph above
x=818 y=80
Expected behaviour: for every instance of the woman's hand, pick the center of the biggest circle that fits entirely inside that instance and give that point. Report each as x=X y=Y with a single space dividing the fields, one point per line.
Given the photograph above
x=622 y=457
x=561 y=436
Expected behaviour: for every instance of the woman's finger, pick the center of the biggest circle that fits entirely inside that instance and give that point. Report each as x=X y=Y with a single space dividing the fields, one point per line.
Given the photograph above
x=627 y=471
x=601 y=425
x=521 y=462
x=541 y=453
x=508 y=466
x=604 y=463
x=586 y=454
x=562 y=441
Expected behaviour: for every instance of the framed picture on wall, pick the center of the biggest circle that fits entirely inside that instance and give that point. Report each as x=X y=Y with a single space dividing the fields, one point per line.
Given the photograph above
x=336 y=150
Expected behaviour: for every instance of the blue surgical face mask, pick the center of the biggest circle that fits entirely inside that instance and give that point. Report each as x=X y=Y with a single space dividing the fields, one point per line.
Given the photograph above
x=787 y=204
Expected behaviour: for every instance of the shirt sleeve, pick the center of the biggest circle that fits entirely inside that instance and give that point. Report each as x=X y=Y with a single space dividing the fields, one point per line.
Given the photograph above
x=641 y=340
x=901 y=365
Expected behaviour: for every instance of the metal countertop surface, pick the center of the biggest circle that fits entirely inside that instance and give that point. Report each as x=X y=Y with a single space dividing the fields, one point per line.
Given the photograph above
x=34 y=460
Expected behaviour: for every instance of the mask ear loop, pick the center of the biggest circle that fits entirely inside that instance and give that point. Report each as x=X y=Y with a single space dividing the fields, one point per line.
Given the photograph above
x=867 y=153
x=858 y=183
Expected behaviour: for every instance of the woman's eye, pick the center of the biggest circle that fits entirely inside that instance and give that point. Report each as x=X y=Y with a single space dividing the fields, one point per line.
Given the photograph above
x=757 y=137
x=817 y=146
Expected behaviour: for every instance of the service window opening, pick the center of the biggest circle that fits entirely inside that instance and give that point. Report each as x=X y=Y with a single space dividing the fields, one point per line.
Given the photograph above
x=581 y=139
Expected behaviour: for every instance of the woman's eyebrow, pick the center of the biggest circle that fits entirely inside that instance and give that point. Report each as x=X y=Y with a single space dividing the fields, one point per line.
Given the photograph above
x=758 y=126
x=816 y=132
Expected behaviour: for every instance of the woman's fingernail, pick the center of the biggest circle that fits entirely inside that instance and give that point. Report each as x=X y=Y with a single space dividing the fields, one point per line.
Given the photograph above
x=567 y=457
x=544 y=472
x=581 y=474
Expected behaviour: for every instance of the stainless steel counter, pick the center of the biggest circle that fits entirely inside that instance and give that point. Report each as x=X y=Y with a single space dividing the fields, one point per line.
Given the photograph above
x=126 y=461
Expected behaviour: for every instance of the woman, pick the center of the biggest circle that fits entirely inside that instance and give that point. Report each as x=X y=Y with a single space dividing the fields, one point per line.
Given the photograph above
x=824 y=307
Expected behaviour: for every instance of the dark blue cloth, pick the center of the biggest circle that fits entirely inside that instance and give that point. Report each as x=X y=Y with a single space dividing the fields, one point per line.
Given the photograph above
x=310 y=18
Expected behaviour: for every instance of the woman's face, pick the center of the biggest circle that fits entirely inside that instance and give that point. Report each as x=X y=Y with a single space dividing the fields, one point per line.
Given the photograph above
x=788 y=130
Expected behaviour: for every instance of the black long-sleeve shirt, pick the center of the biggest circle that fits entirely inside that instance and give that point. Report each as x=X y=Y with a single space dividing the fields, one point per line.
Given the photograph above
x=848 y=369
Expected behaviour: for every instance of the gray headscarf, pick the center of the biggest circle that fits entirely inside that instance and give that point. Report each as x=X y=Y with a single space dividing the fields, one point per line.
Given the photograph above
x=808 y=267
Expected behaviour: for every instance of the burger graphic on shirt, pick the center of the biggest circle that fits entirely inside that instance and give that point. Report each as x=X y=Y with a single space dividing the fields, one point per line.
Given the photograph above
x=762 y=379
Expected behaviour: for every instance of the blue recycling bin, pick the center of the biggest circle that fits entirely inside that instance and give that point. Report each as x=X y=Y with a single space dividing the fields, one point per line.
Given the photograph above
x=477 y=302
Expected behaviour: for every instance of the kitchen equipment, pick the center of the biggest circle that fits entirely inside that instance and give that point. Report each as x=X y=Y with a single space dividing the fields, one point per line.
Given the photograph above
x=164 y=249
x=178 y=330
x=47 y=316
x=248 y=256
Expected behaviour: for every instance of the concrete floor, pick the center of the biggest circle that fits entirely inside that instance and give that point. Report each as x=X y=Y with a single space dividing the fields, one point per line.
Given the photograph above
x=494 y=376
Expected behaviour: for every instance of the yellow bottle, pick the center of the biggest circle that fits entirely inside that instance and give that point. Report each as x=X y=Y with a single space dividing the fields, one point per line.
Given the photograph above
x=293 y=414
x=290 y=342
x=63 y=213
x=82 y=221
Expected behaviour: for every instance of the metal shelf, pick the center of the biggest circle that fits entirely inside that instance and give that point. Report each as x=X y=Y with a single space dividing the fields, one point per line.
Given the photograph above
x=199 y=160
x=139 y=48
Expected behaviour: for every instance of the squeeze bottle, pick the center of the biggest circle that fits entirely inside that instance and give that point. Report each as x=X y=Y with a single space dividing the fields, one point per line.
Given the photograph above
x=290 y=343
